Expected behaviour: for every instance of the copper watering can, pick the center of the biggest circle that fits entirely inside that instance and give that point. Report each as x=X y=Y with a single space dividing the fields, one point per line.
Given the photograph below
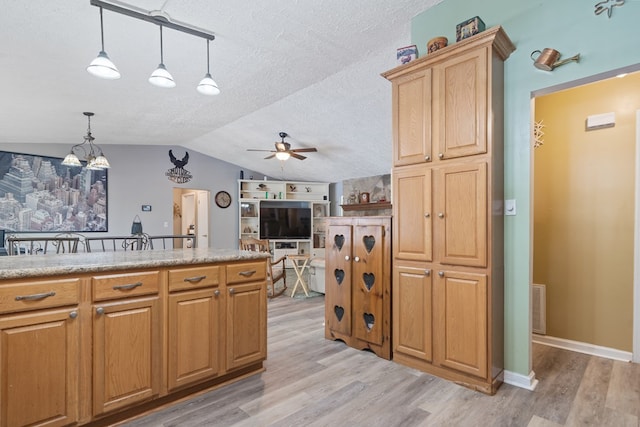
x=547 y=60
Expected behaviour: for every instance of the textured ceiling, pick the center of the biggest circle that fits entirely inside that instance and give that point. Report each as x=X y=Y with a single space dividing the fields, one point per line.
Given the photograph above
x=309 y=68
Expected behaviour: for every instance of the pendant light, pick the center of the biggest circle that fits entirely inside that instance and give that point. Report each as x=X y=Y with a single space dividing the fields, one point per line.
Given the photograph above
x=89 y=150
x=161 y=77
x=207 y=86
x=102 y=66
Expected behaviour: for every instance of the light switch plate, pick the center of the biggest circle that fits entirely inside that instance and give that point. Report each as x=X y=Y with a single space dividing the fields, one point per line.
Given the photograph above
x=510 y=207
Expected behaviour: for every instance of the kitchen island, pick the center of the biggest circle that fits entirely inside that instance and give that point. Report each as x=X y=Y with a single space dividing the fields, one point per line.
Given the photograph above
x=90 y=339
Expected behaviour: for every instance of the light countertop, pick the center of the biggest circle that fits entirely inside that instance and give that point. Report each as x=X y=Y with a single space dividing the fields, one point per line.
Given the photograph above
x=23 y=266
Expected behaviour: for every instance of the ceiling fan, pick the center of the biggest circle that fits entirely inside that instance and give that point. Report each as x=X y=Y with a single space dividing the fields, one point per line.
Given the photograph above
x=283 y=150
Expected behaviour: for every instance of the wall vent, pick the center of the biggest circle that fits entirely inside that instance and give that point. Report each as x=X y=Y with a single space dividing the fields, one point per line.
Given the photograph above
x=539 y=309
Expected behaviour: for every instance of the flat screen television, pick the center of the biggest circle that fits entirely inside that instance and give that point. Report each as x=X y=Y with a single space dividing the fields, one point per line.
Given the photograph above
x=278 y=222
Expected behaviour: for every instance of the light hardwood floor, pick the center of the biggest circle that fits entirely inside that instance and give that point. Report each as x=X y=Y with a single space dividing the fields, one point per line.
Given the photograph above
x=311 y=381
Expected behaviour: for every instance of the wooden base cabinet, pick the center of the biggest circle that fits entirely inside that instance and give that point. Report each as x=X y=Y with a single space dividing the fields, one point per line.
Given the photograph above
x=99 y=348
x=358 y=282
x=448 y=226
x=39 y=390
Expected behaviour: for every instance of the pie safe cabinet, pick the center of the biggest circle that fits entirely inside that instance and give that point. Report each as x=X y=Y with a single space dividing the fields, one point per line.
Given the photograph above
x=358 y=282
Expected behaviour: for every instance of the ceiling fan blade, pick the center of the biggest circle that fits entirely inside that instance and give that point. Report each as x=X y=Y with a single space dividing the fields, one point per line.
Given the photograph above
x=255 y=149
x=270 y=157
x=304 y=150
x=297 y=156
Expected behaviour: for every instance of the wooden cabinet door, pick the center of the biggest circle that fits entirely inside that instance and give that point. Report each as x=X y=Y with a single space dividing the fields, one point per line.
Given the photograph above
x=126 y=353
x=460 y=105
x=40 y=366
x=412 y=314
x=338 y=254
x=246 y=324
x=412 y=216
x=460 y=322
x=411 y=98
x=461 y=208
x=368 y=282
x=194 y=338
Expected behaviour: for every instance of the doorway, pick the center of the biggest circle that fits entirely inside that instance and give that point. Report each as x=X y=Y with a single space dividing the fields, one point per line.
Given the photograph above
x=584 y=213
x=191 y=215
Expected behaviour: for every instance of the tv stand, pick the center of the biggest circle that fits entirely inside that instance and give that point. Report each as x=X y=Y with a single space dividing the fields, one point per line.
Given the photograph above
x=314 y=195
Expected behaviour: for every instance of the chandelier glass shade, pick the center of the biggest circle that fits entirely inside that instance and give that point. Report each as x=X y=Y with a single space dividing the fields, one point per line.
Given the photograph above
x=102 y=66
x=89 y=151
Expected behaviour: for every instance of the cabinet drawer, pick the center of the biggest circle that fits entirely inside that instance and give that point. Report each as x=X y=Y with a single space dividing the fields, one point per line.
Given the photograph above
x=246 y=272
x=193 y=278
x=125 y=285
x=39 y=294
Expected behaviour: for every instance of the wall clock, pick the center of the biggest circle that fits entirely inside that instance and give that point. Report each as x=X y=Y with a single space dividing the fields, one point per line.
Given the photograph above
x=223 y=199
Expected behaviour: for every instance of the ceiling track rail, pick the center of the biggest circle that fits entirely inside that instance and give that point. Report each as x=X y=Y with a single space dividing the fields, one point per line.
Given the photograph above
x=160 y=19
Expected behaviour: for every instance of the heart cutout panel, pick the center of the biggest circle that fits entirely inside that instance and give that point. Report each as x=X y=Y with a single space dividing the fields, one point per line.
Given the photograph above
x=339 y=311
x=369 y=320
x=369 y=280
x=339 y=275
x=339 y=241
x=369 y=243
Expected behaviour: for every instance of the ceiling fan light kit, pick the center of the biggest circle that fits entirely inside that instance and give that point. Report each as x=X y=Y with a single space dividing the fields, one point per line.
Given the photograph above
x=104 y=68
x=283 y=150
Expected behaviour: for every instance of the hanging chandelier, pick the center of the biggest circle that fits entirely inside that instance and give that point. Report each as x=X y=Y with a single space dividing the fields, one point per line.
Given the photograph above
x=103 y=67
x=89 y=151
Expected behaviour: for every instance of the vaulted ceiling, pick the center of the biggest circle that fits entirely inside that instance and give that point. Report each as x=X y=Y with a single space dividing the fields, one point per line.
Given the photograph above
x=307 y=67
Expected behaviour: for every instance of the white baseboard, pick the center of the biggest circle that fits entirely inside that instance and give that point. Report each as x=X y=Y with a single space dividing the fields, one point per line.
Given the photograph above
x=528 y=382
x=583 y=347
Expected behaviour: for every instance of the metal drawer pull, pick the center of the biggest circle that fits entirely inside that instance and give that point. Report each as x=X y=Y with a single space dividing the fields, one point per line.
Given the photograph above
x=127 y=287
x=427 y=272
x=73 y=314
x=194 y=279
x=99 y=310
x=35 y=297
x=232 y=291
x=441 y=273
x=357 y=259
x=247 y=273
x=216 y=293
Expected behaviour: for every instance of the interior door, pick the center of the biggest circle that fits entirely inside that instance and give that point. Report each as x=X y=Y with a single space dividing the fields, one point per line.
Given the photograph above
x=188 y=214
x=202 y=219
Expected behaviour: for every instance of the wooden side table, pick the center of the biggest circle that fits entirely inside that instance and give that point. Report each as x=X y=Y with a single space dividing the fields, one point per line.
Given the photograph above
x=300 y=264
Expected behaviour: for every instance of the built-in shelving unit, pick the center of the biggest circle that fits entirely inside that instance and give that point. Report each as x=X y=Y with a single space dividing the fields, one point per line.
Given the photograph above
x=253 y=194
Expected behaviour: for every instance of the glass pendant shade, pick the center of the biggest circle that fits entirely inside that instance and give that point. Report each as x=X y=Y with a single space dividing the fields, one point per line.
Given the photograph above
x=208 y=86
x=71 y=160
x=103 y=67
x=282 y=155
x=162 y=78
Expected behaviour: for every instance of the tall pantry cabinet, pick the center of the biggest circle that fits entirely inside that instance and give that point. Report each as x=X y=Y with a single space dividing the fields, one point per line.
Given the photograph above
x=447 y=298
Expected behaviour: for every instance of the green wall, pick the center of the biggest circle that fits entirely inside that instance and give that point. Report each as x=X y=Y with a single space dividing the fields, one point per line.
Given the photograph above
x=571 y=27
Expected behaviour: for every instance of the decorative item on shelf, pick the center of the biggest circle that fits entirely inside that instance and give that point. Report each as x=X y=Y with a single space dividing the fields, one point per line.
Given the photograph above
x=292 y=188
x=607 y=5
x=364 y=197
x=436 y=43
x=548 y=59
x=178 y=173
x=307 y=189
x=407 y=54
x=103 y=67
x=89 y=150
x=262 y=187
x=469 y=28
